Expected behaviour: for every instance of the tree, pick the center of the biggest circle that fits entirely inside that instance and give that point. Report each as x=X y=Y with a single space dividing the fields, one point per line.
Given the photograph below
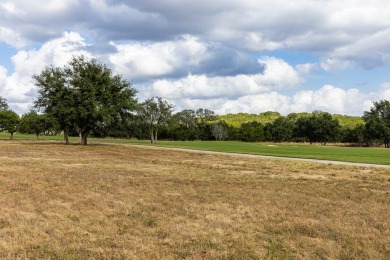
x=32 y=123
x=55 y=97
x=304 y=130
x=354 y=134
x=378 y=122
x=319 y=127
x=267 y=132
x=282 y=129
x=252 y=132
x=183 y=125
x=219 y=131
x=204 y=116
x=3 y=104
x=326 y=128
x=155 y=112
x=186 y=118
x=84 y=95
x=9 y=121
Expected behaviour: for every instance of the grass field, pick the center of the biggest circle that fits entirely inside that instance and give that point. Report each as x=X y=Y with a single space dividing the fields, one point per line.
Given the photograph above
x=129 y=202
x=335 y=153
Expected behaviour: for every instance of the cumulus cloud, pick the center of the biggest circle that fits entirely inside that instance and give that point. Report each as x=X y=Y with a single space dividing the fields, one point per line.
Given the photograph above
x=328 y=98
x=11 y=37
x=258 y=91
x=172 y=59
x=351 y=31
x=277 y=74
x=334 y=65
x=141 y=61
x=384 y=92
x=18 y=87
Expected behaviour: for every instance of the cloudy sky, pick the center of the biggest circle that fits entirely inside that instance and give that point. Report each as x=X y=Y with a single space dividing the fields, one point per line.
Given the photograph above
x=226 y=55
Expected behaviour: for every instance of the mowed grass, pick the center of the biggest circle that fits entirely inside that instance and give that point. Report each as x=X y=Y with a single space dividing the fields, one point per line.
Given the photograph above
x=292 y=150
x=129 y=202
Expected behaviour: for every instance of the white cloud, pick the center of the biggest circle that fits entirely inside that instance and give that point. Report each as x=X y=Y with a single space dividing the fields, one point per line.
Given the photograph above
x=18 y=88
x=257 y=42
x=384 y=92
x=328 y=98
x=370 y=51
x=201 y=86
x=277 y=74
x=306 y=68
x=140 y=61
x=334 y=64
x=213 y=64
x=181 y=57
x=350 y=30
x=11 y=37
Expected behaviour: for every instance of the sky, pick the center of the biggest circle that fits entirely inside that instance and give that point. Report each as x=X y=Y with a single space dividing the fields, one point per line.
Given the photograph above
x=229 y=56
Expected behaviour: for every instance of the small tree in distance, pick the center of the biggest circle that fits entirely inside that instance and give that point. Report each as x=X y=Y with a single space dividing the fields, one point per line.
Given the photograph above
x=219 y=132
x=9 y=121
x=155 y=112
x=33 y=123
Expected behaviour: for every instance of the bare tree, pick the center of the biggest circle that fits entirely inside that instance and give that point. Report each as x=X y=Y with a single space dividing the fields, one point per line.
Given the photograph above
x=219 y=132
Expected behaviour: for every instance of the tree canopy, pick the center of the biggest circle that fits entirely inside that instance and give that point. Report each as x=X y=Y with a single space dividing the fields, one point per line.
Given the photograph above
x=155 y=112
x=9 y=121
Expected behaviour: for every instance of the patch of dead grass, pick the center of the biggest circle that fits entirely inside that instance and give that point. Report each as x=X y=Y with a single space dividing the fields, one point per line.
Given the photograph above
x=118 y=201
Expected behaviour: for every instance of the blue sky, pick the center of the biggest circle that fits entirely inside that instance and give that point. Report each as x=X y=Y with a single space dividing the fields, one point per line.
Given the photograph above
x=229 y=56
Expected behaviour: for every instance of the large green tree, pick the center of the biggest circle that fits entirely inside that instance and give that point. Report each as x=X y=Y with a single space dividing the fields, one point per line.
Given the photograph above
x=85 y=95
x=327 y=128
x=56 y=97
x=252 y=132
x=282 y=129
x=378 y=122
x=319 y=127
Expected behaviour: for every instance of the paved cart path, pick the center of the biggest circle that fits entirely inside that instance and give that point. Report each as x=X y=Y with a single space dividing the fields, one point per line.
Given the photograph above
x=263 y=156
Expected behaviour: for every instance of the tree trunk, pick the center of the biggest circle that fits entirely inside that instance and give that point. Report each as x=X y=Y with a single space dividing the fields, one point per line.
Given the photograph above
x=155 y=135
x=66 y=136
x=151 y=135
x=84 y=138
x=12 y=136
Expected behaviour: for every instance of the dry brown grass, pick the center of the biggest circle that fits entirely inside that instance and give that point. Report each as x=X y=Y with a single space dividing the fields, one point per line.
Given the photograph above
x=112 y=201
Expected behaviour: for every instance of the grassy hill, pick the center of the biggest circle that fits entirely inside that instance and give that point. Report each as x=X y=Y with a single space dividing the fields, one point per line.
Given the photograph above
x=237 y=120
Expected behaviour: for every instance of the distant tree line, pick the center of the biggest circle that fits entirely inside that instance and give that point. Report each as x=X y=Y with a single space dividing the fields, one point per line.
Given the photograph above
x=84 y=98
